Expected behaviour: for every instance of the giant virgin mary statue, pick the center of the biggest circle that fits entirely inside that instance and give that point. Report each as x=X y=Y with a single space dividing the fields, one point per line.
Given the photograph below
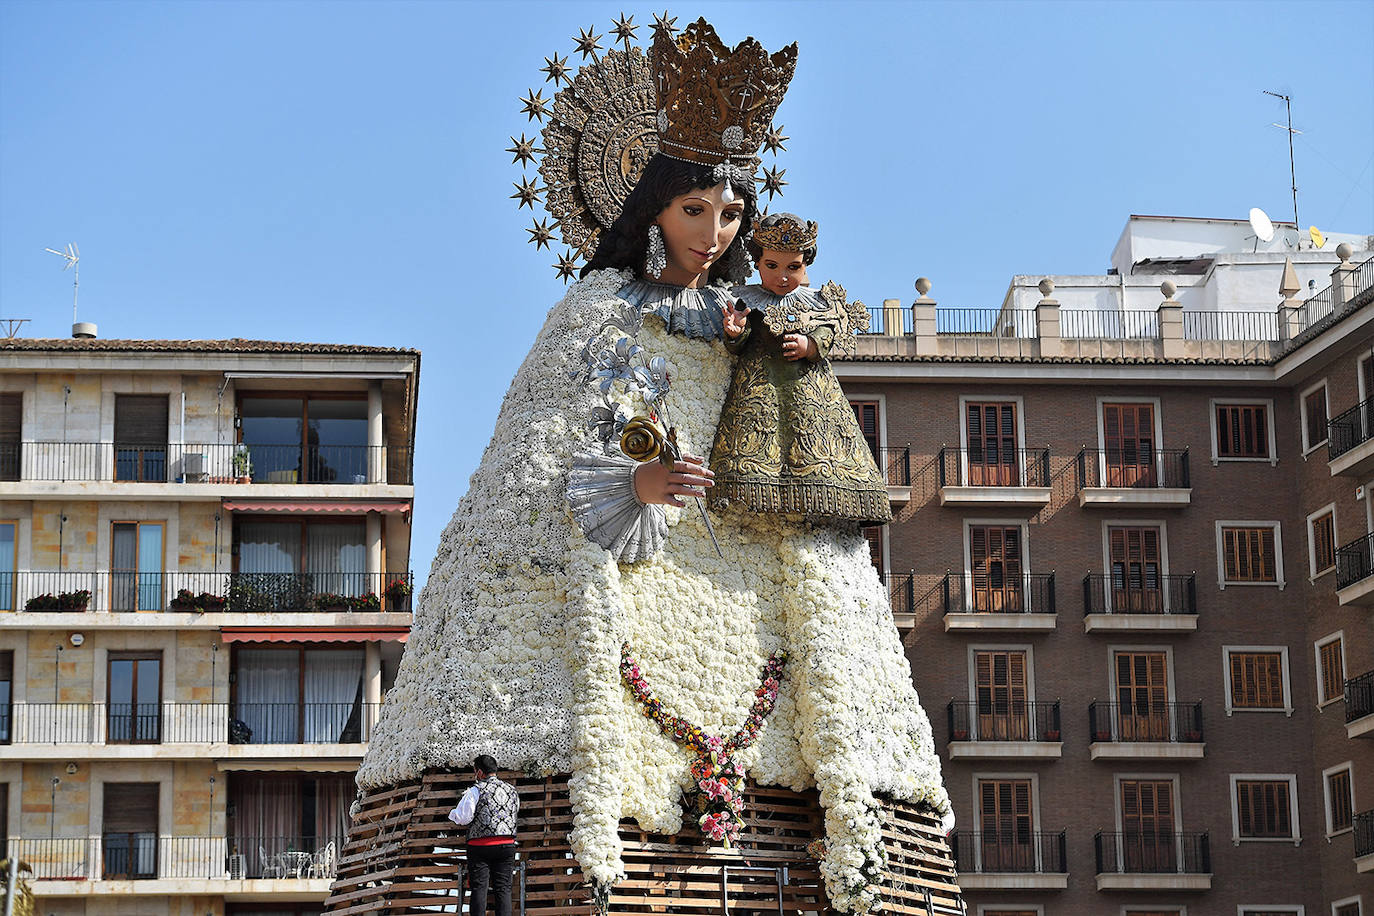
x=655 y=667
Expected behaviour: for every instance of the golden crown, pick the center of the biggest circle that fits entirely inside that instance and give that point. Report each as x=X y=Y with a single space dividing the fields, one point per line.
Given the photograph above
x=786 y=236
x=716 y=104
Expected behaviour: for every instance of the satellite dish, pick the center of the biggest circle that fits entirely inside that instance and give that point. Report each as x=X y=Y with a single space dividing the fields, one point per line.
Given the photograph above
x=1318 y=240
x=1259 y=221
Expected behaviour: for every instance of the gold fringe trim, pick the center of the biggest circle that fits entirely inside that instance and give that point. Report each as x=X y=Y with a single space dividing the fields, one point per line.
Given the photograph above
x=868 y=507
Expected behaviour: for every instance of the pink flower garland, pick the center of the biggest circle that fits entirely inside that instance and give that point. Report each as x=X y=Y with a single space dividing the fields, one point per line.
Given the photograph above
x=720 y=778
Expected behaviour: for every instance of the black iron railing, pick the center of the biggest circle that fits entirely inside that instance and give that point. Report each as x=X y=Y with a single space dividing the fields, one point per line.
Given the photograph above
x=1355 y=561
x=1175 y=723
x=1132 y=468
x=1157 y=852
x=994 y=720
x=895 y=464
x=58 y=858
x=993 y=593
x=901 y=591
x=1349 y=429
x=889 y=320
x=218 y=462
x=1230 y=325
x=1364 y=834
x=986 y=467
x=1010 y=851
x=986 y=322
x=1139 y=592
x=242 y=722
x=144 y=856
x=1359 y=697
x=203 y=591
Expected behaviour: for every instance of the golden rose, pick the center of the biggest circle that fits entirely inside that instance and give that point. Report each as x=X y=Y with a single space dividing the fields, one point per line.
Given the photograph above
x=642 y=439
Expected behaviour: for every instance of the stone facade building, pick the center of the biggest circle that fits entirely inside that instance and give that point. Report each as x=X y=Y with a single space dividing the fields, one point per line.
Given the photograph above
x=1132 y=564
x=204 y=592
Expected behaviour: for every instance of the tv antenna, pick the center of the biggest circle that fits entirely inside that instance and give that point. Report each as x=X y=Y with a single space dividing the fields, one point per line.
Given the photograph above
x=12 y=326
x=72 y=255
x=1292 y=170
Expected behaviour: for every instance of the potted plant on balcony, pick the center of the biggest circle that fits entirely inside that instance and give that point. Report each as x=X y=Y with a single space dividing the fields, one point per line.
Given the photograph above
x=397 y=591
x=1051 y=734
x=368 y=602
x=62 y=601
x=960 y=734
x=328 y=601
x=243 y=464
x=1102 y=735
x=185 y=600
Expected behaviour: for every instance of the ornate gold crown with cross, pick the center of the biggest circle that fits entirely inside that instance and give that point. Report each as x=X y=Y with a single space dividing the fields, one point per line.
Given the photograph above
x=786 y=236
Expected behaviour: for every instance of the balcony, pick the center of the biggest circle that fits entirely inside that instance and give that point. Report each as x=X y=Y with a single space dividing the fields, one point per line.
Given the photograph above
x=148 y=864
x=1140 y=601
x=1157 y=861
x=1350 y=441
x=895 y=464
x=1159 y=731
x=202 y=463
x=989 y=603
x=181 y=730
x=1020 y=860
x=1117 y=479
x=1359 y=706
x=1355 y=571
x=1015 y=478
x=1364 y=841
x=901 y=592
x=1002 y=731
x=189 y=591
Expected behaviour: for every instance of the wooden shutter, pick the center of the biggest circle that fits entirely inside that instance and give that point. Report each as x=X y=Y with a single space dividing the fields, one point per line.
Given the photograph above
x=1338 y=793
x=7 y=665
x=991 y=432
x=874 y=536
x=1257 y=680
x=866 y=412
x=1323 y=542
x=1333 y=671
x=1347 y=909
x=995 y=554
x=1314 y=407
x=141 y=419
x=131 y=807
x=1142 y=694
x=1005 y=824
x=1001 y=695
x=1147 y=825
x=1242 y=431
x=11 y=434
x=1262 y=808
x=1136 y=583
x=1248 y=554
x=1128 y=432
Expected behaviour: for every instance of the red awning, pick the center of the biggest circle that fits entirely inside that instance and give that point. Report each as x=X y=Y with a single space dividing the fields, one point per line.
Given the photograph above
x=306 y=634
x=316 y=505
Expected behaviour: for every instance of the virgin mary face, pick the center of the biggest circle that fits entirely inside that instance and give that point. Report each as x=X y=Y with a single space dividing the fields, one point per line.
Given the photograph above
x=697 y=229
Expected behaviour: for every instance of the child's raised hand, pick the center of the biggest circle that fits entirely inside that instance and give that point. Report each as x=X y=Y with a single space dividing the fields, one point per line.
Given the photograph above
x=736 y=319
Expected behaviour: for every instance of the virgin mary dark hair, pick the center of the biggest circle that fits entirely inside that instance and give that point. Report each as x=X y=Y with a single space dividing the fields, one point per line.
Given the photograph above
x=624 y=244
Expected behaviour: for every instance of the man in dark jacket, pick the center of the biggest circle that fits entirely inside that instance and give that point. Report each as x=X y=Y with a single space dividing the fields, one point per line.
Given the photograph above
x=489 y=810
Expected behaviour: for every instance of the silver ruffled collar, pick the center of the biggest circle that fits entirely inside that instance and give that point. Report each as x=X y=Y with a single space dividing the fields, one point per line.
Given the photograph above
x=803 y=298
x=690 y=312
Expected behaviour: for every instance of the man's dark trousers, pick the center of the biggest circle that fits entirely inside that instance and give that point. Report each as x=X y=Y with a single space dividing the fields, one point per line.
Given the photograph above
x=490 y=865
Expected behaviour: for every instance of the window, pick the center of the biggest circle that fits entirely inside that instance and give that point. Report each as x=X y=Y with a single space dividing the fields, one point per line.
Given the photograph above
x=129 y=839
x=135 y=705
x=996 y=568
x=866 y=412
x=1265 y=807
x=1134 y=554
x=1249 y=554
x=136 y=550
x=1321 y=540
x=1142 y=695
x=1000 y=684
x=1242 y=431
x=1348 y=907
x=306 y=440
x=1256 y=679
x=874 y=536
x=11 y=434
x=1005 y=825
x=285 y=565
x=6 y=698
x=1147 y=825
x=140 y=437
x=276 y=814
x=1314 y=416
x=1340 y=805
x=990 y=429
x=9 y=564
x=1128 y=440
x=1270 y=911
x=1330 y=669
x=298 y=696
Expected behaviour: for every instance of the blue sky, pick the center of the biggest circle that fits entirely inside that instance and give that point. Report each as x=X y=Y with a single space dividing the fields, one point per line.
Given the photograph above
x=334 y=171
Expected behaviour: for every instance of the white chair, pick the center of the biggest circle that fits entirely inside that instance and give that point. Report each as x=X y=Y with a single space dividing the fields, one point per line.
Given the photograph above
x=325 y=862
x=238 y=867
x=272 y=866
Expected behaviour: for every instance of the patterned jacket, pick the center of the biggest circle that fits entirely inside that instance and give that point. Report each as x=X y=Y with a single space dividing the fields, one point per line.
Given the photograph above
x=498 y=805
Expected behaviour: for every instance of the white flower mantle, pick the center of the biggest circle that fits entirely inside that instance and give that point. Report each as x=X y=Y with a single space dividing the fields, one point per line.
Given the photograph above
x=516 y=644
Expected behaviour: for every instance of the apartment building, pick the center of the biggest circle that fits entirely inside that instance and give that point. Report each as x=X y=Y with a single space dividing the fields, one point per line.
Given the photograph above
x=204 y=593
x=1133 y=563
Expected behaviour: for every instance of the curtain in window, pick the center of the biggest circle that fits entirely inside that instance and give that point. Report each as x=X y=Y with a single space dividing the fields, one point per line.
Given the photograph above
x=336 y=556
x=333 y=796
x=268 y=694
x=267 y=811
x=332 y=682
x=269 y=547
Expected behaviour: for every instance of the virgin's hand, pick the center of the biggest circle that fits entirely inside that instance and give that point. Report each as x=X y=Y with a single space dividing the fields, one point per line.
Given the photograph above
x=735 y=320
x=656 y=483
x=798 y=346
